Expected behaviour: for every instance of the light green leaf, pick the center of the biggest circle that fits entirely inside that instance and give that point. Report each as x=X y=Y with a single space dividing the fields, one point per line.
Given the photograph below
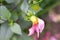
x=4 y=13
x=5 y=32
x=16 y=29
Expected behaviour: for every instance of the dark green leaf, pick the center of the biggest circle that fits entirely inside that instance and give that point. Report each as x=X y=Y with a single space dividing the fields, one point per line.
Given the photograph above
x=14 y=16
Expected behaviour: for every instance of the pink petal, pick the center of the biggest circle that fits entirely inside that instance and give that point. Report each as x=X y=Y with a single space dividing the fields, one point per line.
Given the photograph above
x=37 y=30
x=41 y=24
x=31 y=30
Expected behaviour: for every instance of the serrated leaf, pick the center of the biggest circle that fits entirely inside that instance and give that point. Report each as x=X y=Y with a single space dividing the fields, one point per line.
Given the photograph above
x=4 y=13
x=5 y=32
x=16 y=29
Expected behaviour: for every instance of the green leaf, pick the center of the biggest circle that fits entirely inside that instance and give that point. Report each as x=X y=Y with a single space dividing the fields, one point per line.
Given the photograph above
x=16 y=29
x=5 y=32
x=1 y=21
x=25 y=37
x=13 y=1
x=14 y=37
x=24 y=24
x=9 y=1
x=24 y=6
x=17 y=1
x=14 y=16
x=1 y=0
x=4 y=13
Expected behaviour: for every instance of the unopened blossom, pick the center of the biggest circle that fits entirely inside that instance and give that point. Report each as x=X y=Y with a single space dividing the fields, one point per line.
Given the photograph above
x=35 y=7
x=37 y=26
